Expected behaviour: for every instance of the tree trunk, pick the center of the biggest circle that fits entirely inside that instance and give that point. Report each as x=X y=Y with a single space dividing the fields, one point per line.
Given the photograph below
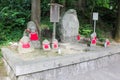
x=64 y=6
x=36 y=14
x=52 y=1
x=117 y=34
x=81 y=4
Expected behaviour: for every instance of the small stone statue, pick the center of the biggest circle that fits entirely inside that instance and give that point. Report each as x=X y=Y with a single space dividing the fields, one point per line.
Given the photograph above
x=25 y=45
x=107 y=43
x=55 y=44
x=46 y=45
x=93 y=39
x=33 y=34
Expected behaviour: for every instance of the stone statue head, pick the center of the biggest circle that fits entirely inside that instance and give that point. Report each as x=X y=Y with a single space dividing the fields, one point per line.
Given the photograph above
x=71 y=11
x=31 y=26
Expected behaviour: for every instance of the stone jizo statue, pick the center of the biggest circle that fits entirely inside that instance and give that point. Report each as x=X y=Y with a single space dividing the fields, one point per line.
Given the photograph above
x=46 y=45
x=55 y=44
x=107 y=43
x=25 y=45
x=93 y=38
x=33 y=34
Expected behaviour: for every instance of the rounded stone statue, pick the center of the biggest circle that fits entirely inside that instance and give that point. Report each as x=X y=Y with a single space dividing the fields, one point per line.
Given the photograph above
x=46 y=45
x=25 y=45
x=93 y=39
x=33 y=34
x=69 y=26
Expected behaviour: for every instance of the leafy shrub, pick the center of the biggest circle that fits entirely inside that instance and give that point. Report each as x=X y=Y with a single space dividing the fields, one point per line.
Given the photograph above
x=13 y=18
x=46 y=28
x=85 y=30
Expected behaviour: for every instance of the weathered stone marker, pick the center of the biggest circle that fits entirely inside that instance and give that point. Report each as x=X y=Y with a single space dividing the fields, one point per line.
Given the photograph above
x=69 y=26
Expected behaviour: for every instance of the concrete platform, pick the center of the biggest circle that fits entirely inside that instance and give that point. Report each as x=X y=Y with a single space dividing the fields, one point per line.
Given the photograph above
x=110 y=72
x=66 y=67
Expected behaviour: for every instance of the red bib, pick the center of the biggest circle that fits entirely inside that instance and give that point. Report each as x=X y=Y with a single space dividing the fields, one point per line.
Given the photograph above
x=93 y=41
x=25 y=45
x=78 y=37
x=46 y=46
x=108 y=43
x=33 y=36
x=55 y=46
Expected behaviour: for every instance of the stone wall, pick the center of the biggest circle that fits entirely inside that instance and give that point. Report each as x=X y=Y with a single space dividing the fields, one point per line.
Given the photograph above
x=71 y=72
x=62 y=68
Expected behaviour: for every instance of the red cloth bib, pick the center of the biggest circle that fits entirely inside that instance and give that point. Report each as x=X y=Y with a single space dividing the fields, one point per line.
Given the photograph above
x=46 y=46
x=55 y=46
x=93 y=41
x=108 y=43
x=25 y=45
x=33 y=36
x=78 y=37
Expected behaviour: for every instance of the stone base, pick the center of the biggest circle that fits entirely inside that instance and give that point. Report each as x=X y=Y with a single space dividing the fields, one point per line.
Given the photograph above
x=69 y=39
x=68 y=67
x=36 y=44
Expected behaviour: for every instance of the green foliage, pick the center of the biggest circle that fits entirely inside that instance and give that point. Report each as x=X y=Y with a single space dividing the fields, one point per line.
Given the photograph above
x=13 y=18
x=45 y=8
x=85 y=29
x=15 y=14
x=100 y=33
x=98 y=3
x=46 y=28
x=61 y=1
x=45 y=23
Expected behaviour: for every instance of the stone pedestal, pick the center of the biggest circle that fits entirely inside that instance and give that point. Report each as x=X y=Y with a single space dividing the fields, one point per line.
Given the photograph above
x=67 y=67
